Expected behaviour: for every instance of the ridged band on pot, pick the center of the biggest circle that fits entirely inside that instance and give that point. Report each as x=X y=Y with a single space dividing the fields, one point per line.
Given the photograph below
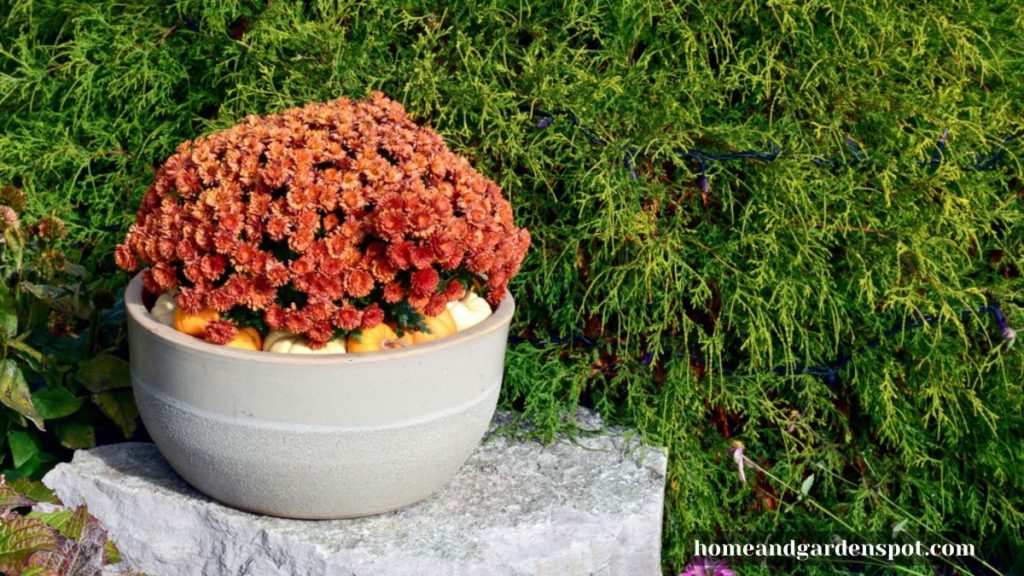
x=325 y=436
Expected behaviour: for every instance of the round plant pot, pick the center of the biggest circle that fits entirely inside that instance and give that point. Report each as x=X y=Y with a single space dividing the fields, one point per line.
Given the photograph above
x=324 y=436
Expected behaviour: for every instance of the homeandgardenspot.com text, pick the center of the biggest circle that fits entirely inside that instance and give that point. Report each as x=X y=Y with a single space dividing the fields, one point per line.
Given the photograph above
x=838 y=549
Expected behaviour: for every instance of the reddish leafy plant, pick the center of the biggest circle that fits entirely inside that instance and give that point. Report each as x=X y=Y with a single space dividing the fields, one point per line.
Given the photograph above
x=60 y=542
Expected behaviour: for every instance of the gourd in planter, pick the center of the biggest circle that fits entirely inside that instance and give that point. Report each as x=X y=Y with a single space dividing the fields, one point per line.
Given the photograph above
x=333 y=222
x=384 y=337
x=469 y=311
x=287 y=343
x=439 y=326
x=194 y=324
x=380 y=337
x=248 y=338
x=164 y=308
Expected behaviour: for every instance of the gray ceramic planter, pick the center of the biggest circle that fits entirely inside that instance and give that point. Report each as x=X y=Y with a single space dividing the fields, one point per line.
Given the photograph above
x=329 y=436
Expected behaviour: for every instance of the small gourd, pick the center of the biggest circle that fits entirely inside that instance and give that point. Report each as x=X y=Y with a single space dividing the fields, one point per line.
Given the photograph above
x=469 y=311
x=194 y=324
x=380 y=337
x=247 y=339
x=288 y=343
x=163 y=310
x=440 y=326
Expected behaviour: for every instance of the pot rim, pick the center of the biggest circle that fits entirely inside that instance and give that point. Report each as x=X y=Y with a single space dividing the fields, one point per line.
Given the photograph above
x=139 y=314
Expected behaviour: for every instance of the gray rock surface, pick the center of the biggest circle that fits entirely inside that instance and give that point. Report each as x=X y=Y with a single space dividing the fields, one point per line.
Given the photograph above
x=591 y=505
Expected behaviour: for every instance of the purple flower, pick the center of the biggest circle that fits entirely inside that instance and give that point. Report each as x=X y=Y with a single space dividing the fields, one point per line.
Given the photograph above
x=545 y=122
x=707 y=567
x=737 y=455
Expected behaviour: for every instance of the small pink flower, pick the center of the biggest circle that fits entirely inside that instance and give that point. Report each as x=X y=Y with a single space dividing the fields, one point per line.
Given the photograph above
x=707 y=567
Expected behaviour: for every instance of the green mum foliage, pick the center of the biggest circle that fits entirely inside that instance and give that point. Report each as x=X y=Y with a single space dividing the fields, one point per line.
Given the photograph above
x=687 y=312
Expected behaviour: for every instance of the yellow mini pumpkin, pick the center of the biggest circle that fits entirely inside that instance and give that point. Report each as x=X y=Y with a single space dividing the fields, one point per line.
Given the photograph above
x=163 y=310
x=194 y=324
x=247 y=339
x=469 y=311
x=440 y=326
x=287 y=343
x=380 y=337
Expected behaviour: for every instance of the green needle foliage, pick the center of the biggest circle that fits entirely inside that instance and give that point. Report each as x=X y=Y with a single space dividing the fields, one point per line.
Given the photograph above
x=730 y=293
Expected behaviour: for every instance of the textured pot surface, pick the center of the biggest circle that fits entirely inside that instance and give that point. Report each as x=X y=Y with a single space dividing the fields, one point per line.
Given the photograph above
x=330 y=436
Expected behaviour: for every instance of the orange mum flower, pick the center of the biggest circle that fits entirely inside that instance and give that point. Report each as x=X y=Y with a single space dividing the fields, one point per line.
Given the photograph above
x=358 y=283
x=391 y=223
x=276 y=272
x=213 y=266
x=372 y=316
x=244 y=253
x=438 y=304
x=330 y=222
x=277 y=226
x=164 y=275
x=421 y=257
x=424 y=281
x=400 y=254
x=348 y=318
x=125 y=258
x=319 y=334
x=393 y=292
x=296 y=322
x=454 y=291
x=220 y=332
x=191 y=299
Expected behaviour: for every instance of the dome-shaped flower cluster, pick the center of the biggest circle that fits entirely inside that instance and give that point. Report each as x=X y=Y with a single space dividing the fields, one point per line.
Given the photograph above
x=324 y=219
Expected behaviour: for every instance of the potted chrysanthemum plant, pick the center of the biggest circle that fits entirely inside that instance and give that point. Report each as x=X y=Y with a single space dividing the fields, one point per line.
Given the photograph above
x=319 y=326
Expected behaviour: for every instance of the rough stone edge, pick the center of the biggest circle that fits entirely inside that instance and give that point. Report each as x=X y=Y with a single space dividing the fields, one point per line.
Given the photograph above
x=633 y=533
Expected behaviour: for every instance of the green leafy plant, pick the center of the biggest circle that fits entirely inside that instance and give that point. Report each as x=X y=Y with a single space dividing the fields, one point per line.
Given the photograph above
x=59 y=380
x=59 y=542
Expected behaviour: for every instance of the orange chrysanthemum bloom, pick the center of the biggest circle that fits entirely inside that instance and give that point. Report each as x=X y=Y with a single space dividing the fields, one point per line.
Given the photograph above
x=324 y=218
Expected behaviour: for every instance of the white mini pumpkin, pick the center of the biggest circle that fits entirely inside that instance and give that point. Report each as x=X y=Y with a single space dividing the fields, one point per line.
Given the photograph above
x=288 y=343
x=163 y=310
x=469 y=311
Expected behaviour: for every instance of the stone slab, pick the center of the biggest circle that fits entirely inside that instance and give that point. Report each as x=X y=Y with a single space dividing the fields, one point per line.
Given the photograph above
x=592 y=505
